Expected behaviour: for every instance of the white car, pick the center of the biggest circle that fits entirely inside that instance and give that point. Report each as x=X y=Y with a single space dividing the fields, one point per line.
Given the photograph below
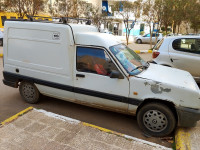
x=182 y=52
x=1 y=38
x=146 y=38
x=76 y=63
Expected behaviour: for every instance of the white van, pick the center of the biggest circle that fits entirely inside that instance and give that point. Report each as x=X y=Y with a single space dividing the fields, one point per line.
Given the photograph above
x=77 y=63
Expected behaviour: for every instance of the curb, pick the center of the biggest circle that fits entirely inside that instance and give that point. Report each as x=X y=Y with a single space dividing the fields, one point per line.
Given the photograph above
x=142 y=51
x=182 y=139
x=15 y=116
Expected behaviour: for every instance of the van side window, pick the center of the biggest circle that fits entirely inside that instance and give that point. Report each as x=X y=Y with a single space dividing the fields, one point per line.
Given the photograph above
x=190 y=45
x=94 y=60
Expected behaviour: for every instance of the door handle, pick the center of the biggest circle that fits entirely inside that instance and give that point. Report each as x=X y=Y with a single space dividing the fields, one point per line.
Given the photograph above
x=80 y=75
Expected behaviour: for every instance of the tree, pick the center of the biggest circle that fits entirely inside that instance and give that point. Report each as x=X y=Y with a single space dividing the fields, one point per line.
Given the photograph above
x=25 y=7
x=193 y=14
x=61 y=8
x=129 y=9
x=150 y=16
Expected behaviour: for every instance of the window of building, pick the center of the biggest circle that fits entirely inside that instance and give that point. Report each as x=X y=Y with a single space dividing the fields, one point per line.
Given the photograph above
x=191 y=45
x=94 y=60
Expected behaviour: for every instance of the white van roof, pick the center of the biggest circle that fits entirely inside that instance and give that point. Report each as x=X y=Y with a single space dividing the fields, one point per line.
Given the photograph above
x=96 y=39
x=81 y=34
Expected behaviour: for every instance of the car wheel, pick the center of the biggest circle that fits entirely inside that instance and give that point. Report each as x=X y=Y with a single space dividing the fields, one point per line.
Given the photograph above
x=1 y=42
x=156 y=119
x=139 y=41
x=29 y=92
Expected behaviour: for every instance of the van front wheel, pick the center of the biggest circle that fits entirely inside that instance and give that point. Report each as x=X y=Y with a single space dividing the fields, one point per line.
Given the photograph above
x=156 y=119
x=29 y=92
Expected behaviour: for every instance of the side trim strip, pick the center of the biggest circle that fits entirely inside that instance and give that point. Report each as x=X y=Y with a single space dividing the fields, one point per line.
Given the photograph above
x=16 y=78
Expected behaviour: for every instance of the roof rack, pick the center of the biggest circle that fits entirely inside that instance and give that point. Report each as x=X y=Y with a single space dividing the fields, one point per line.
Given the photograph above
x=61 y=19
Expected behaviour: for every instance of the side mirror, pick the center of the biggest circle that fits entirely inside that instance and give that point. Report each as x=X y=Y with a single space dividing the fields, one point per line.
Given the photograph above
x=116 y=74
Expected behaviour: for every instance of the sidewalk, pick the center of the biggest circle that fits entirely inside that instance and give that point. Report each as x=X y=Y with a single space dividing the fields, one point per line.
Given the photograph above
x=41 y=130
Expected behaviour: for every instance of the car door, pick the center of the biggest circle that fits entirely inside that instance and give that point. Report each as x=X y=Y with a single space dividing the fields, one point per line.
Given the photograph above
x=93 y=84
x=146 y=38
x=185 y=54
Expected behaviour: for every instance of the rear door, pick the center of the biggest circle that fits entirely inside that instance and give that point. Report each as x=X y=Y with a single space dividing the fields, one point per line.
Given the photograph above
x=93 y=84
x=185 y=54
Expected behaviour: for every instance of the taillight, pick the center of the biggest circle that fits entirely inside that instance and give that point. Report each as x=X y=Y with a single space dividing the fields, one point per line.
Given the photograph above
x=155 y=54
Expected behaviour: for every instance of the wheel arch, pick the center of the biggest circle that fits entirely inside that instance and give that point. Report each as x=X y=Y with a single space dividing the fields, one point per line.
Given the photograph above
x=169 y=104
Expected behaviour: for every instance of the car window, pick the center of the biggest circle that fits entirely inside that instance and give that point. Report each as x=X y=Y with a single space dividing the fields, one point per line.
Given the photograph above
x=94 y=60
x=147 y=35
x=191 y=45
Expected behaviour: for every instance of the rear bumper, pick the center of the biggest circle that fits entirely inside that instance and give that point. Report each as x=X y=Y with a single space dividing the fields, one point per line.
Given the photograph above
x=10 y=83
x=10 y=80
x=187 y=117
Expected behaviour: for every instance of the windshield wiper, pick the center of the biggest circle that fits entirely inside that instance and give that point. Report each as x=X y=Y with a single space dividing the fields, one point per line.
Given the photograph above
x=142 y=66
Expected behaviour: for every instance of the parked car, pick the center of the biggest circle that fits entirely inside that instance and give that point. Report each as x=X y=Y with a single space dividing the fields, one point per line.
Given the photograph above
x=182 y=52
x=1 y=38
x=146 y=38
x=96 y=69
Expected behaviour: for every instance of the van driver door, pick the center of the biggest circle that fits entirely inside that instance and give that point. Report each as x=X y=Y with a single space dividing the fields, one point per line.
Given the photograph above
x=93 y=84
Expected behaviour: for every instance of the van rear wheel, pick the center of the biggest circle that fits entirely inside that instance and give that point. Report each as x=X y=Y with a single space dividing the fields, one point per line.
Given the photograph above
x=29 y=92
x=156 y=119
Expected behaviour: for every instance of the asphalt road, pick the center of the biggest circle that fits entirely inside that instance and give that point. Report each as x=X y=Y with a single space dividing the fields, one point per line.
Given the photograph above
x=12 y=103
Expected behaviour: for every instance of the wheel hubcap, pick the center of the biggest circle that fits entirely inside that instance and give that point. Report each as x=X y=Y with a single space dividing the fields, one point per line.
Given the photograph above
x=28 y=92
x=155 y=121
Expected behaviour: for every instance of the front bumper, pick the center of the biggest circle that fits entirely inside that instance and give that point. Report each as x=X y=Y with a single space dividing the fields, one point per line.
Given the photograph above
x=187 y=117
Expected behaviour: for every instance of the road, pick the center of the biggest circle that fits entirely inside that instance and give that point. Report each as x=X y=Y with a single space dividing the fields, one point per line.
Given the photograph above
x=11 y=103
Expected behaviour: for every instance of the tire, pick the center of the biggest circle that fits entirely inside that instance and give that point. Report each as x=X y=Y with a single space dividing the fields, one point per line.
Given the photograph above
x=29 y=92
x=156 y=119
x=139 y=41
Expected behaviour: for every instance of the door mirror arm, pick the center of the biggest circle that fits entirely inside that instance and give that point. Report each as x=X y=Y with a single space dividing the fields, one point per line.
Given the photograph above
x=116 y=74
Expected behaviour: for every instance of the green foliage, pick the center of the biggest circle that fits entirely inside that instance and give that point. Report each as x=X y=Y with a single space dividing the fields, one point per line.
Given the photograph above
x=142 y=33
x=24 y=7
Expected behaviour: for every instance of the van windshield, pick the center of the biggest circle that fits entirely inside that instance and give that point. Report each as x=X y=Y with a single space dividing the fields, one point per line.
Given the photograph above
x=131 y=61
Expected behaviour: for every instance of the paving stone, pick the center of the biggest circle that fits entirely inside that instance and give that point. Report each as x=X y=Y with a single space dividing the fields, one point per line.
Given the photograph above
x=21 y=137
x=111 y=139
x=35 y=127
x=98 y=145
x=54 y=146
x=50 y=132
x=49 y=120
x=35 y=143
x=69 y=148
x=22 y=122
x=101 y=136
x=10 y=146
x=8 y=132
x=80 y=142
x=34 y=115
x=65 y=137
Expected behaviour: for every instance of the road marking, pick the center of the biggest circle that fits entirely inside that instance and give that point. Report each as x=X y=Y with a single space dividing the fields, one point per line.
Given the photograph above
x=182 y=139
x=16 y=116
